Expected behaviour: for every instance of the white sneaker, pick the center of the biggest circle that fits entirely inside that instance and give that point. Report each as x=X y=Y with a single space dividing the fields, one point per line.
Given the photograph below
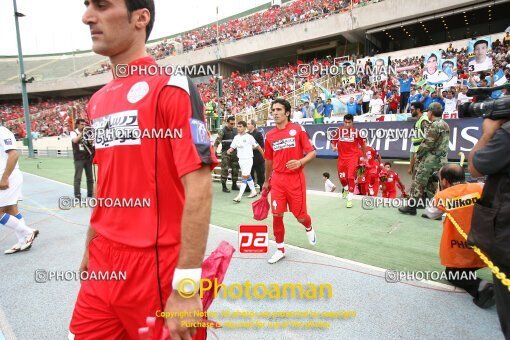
x=237 y=199
x=14 y=249
x=253 y=194
x=276 y=257
x=30 y=239
x=312 y=238
x=371 y=191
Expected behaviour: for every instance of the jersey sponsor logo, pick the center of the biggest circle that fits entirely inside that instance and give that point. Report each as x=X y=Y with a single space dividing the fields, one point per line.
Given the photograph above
x=117 y=129
x=253 y=238
x=8 y=141
x=137 y=92
x=284 y=144
x=463 y=201
x=199 y=132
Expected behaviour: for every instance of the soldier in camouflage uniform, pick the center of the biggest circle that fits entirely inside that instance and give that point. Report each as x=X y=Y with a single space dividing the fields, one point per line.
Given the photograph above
x=432 y=154
x=225 y=137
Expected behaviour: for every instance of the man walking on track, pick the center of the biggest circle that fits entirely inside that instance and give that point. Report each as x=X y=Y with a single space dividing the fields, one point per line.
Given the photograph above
x=346 y=140
x=159 y=245
x=10 y=193
x=284 y=151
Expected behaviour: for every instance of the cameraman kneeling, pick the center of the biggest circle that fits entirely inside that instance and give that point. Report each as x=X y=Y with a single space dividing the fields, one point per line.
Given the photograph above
x=457 y=198
x=491 y=216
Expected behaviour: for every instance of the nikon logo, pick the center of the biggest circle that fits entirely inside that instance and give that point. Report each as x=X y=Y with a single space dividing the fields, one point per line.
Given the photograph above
x=462 y=202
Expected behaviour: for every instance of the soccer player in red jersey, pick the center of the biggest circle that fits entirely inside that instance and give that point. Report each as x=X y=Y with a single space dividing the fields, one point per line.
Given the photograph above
x=347 y=141
x=362 y=176
x=374 y=167
x=284 y=151
x=159 y=244
x=390 y=181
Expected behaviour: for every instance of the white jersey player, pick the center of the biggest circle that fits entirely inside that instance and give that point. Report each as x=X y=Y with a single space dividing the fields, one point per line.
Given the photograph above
x=10 y=193
x=244 y=143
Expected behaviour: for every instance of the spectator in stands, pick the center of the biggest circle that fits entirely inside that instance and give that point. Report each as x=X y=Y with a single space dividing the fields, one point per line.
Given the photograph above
x=307 y=110
x=328 y=108
x=367 y=97
x=376 y=104
x=393 y=102
x=405 y=89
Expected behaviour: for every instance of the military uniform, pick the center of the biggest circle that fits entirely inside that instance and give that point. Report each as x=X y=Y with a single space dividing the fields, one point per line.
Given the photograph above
x=225 y=137
x=420 y=131
x=432 y=154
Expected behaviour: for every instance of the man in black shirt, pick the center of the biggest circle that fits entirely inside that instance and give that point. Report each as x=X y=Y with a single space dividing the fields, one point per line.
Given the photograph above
x=83 y=152
x=490 y=227
x=258 y=167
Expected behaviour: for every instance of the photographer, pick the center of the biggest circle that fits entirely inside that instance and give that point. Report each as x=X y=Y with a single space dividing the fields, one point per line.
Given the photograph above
x=490 y=229
x=83 y=153
x=457 y=198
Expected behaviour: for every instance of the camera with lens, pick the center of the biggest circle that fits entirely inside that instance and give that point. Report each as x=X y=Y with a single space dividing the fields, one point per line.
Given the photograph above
x=486 y=106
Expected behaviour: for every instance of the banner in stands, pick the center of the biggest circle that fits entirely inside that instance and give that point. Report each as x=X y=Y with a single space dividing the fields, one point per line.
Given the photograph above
x=432 y=72
x=449 y=68
x=479 y=54
x=396 y=140
x=380 y=69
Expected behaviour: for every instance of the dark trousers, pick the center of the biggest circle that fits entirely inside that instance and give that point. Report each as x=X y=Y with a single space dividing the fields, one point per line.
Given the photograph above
x=404 y=97
x=366 y=106
x=78 y=171
x=469 y=285
x=259 y=170
x=502 y=295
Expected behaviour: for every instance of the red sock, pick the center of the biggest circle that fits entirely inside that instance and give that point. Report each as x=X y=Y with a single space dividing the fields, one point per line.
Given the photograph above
x=307 y=223
x=351 y=184
x=278 y=229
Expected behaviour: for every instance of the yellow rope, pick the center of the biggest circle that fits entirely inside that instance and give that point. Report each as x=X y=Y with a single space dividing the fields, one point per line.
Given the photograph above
x=499 y=274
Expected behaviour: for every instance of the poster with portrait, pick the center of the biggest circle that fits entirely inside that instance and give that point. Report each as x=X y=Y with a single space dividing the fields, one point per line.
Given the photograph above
x=379 y=69
x=432 y=71
x=449 y=68
x=479 y=54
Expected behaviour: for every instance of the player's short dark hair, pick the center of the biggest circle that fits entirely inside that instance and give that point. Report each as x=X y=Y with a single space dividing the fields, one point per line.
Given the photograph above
x=418 y=105
x=482 y=41
x=348 y=117
x=285 y=104
x=447 y=62
x=79 y=121
x=452 y=173
x=432 y=55
x=326 y=174
x=387 y=163
x=133 y=5
x=230 y=118
x=242 y=122
x=436 y=109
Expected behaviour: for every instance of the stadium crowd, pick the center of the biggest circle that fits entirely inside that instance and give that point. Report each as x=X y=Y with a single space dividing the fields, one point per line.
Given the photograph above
x=268 y=20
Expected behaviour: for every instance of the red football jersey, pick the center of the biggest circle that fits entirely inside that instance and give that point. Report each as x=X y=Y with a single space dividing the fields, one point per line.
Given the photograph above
x=287 y=144
x=348 y=143
x=391 y=180
x=149 y=132
x=372 y=156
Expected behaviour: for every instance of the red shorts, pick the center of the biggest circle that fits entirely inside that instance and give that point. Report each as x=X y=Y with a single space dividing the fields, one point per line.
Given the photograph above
x=347 y=168
x=288 y=190
x=116 y=309
x=390 y=194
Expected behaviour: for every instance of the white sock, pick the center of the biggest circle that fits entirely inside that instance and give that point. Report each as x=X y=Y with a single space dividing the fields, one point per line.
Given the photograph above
x=350 y=195
x=21 y=230
x=22 y=220
x=251 y=185
x=281 y=247
x=346 y=188
x=243 y=188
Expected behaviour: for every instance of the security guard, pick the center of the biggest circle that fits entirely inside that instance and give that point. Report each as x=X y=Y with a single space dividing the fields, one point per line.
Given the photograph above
x=225 y=137
x=432 y=154
x=420 y=126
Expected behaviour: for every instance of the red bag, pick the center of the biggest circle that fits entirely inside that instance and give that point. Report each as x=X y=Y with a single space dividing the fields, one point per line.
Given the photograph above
x=214 y=267
x=261 y=206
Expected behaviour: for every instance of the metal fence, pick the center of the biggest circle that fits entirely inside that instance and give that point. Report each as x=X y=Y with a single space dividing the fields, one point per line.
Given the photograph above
x=49 y=152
